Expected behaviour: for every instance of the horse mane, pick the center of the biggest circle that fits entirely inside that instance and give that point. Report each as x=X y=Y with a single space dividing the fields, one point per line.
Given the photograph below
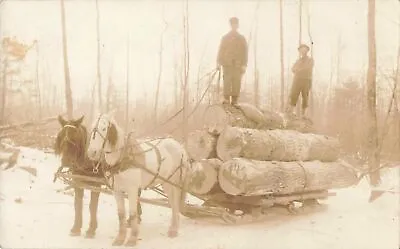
x=81 y=144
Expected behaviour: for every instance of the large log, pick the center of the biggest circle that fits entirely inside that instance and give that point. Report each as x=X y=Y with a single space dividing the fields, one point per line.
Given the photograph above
x=247 y=177
x=204 y=175
x=201 y=145
x=218 y=117
x=279 y=145
x=301 y=124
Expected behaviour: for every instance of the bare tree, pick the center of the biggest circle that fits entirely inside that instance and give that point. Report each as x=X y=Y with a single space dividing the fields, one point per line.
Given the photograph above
x=160 y=68
x=99 y=85
x=282 y=55
x=68 y=91
x=256 y=72
x=298 y=107
x=373 y=143
x=311 y=54
x=127 y=82
x=4 y=91
x=38 y=97
x=186 y=70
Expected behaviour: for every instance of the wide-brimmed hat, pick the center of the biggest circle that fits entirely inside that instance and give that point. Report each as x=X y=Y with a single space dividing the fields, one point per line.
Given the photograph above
x=303 y=46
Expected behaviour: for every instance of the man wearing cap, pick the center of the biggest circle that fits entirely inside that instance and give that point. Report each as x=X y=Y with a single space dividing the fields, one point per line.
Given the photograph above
x=302 y=80
x=232 y=56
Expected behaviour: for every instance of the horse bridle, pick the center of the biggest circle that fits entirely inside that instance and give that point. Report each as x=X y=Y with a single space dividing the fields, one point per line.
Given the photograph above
x=105 y=138
x=66 y=138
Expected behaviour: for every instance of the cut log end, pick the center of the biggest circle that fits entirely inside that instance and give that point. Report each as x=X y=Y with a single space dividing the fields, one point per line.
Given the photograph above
x=201 y=145
x=229 y=144
x=204 y=176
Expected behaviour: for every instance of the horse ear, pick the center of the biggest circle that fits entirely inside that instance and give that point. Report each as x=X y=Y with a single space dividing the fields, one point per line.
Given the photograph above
x=112 y=135
x=79 y=121
x=61 y=120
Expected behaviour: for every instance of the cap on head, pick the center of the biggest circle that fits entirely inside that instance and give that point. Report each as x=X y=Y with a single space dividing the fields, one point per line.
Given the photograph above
x=234 y=20
x=303 y=46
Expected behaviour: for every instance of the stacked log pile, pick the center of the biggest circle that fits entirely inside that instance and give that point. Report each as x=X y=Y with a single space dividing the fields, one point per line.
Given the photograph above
x=243 y=151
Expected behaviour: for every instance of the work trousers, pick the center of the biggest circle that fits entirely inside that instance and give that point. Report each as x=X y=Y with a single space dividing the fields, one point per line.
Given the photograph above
x=232 y=81
x=300 y=86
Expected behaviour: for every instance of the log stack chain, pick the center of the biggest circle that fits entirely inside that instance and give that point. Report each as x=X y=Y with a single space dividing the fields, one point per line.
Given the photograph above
x=243 y=151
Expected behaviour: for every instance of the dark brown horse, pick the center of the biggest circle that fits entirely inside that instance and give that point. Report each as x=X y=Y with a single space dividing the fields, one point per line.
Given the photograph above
x=71 y=143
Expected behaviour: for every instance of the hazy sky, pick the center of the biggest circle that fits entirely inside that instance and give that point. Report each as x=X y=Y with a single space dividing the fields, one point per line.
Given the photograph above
x=143 y=22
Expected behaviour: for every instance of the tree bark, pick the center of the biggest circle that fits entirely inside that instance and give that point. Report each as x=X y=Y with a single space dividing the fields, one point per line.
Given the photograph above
x=68 y=91
x=128 y=66
x=251 y=178
x=160 y=69
x=186 y=71
x=373 y=142
x=218 y=117
x=280 y=145
x=202 y=145
x=98 y=58
x=204 y=175
x=4 y=92
x=282 y=64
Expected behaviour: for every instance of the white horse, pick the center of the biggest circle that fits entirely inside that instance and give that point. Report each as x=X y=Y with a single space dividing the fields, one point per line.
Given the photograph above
x=139 y=164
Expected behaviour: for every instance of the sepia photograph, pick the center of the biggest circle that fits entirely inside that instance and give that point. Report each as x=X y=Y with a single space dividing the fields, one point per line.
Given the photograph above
x=200 y=124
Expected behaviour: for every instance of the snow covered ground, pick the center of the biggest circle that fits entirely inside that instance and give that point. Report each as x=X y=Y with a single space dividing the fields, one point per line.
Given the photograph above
x=34 y=215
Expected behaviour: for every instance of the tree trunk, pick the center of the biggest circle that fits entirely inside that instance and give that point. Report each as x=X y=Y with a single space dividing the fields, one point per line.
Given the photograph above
x=186 y=72
x=39 y=95
x=98 y=58
x=204 y=175
x=202 y=145
x=218 y=117
x=68 y=91
x=128 y=66
x=251 y=178
x=282 y=56
x=4 y=93
x=374 y=157
x=298 y=106
x=280 y=145
x=160 y=64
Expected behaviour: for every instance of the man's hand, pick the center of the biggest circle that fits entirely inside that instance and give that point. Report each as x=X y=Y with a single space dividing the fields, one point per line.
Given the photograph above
x=218 y=68
x=244 y=69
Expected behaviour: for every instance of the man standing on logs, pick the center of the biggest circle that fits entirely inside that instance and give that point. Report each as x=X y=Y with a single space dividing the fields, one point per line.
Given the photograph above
x=302 y=80
x=232 y=56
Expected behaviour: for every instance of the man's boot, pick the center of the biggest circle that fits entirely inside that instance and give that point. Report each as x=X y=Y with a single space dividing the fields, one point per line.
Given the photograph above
x=226 y=100
x=234 y=101
x=290 y=109
x=303 y=112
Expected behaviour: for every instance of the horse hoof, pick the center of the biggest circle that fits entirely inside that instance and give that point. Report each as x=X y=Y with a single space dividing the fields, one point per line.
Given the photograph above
x=90 y=234
x=118 y=242
x=75 y=232
x=131 y=242
x=172 y=234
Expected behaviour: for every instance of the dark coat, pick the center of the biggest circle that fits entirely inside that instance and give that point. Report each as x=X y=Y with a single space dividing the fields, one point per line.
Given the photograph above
x=233 y=50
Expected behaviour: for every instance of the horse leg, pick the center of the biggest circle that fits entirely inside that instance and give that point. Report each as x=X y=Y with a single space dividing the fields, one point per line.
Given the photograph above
x=119 y=240
x=173 y=195
x=139 y=210
x=94 y=203
x=78 y=203
x=133 y=216
x=139 y=207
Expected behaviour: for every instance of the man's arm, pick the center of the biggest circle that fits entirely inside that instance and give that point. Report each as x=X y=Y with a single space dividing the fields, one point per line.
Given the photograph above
x=295 y=67
x=221 y=51
x=245 y=52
